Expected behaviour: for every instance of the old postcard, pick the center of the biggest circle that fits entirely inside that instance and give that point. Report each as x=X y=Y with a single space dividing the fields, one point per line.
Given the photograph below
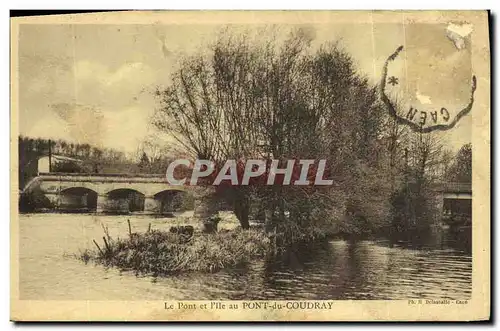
x=250 y=166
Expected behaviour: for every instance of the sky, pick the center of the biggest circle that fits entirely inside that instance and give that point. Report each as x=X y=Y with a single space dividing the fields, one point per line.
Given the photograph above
x=93 y=83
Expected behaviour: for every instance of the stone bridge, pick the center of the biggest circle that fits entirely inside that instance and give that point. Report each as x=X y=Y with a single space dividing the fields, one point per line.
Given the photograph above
x=454 y=197
x=152 y=193
x=106 y=192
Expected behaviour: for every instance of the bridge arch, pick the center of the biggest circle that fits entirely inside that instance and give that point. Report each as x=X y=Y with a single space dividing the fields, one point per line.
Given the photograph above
x=124 y=200
x=171 y=200
x=122 y=190
x=78 y=199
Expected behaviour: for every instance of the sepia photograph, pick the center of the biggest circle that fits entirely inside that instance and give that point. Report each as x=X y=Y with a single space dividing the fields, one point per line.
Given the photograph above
x=250 y=166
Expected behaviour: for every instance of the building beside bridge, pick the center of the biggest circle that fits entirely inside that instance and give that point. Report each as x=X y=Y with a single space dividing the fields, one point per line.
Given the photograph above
x=46 y=163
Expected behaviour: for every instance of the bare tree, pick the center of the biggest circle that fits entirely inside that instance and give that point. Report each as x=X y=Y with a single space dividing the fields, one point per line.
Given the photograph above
x=210 y=110
x=280 y=100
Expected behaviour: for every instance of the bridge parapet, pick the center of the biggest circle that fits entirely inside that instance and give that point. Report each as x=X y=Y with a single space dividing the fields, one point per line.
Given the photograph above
x=104 y=178
x=93 y=174
x=102 y=184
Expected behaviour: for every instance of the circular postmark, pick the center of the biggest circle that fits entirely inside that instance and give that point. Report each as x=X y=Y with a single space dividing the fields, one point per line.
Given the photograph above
x=428 y=85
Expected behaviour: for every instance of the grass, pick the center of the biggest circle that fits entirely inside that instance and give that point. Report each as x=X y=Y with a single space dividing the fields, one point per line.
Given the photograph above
x=160 y=253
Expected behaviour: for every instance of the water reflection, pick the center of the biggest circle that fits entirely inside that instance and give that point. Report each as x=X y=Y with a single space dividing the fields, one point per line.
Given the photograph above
x=350 y=270
x=437 y=265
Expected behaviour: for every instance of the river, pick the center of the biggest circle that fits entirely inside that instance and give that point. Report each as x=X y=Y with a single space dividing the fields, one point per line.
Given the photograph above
x=439 y=267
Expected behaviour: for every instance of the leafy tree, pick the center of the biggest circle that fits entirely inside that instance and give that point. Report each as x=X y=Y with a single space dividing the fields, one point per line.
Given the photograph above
x=461 y=169
x=144 y=162
x=67 y=167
